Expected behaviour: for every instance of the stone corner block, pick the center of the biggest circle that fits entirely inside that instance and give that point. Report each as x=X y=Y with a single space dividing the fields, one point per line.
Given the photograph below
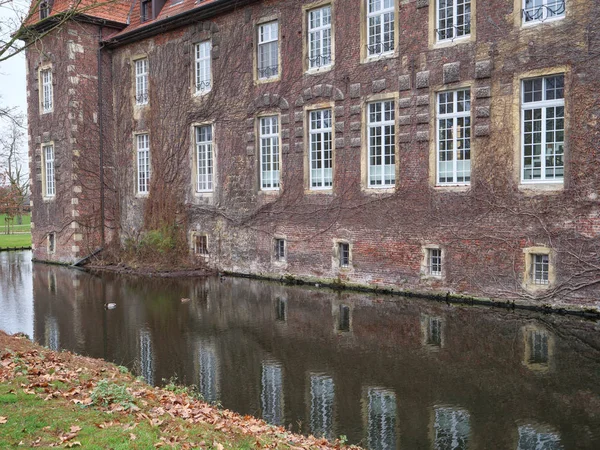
x=422 y=3
x=451 y=72
x=422 y=136
x=404 y=82
x=355 y=90
x=483 y=92
x=482 y=130
x=379 y=85
x=483 y=69
x=482 y=111
x=422 y=79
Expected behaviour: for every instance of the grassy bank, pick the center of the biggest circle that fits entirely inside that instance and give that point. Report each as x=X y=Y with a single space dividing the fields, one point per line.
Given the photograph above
x=52 y=399
x=15 y=240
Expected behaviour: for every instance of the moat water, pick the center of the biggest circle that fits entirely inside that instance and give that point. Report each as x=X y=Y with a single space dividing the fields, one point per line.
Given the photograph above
x=387 y=372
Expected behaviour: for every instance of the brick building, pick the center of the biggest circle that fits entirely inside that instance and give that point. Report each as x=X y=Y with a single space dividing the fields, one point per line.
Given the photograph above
x=422 y=145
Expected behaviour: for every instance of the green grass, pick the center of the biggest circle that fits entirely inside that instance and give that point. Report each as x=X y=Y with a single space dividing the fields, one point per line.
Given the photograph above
x=15 y=240
x=25 y=226
x=30 y=418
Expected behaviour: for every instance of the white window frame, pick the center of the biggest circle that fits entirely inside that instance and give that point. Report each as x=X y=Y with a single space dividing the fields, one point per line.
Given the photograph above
x=434 y=262
x=320 y=131
x=270 y=158
x=453 y=16
x=141 y=81
x=455 y=117
x=540 y=13
x=47 y=91
x=268 y=33
x=203 y=67
x=544 y=106
x=540 y=269
x=142 y=163
x=320 y=38
x=379 y=15
x=388 y=171
x=49 y=172
x=205 y=158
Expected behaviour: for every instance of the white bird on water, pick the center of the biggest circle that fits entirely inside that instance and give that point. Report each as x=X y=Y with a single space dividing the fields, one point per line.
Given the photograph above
x=110 y=305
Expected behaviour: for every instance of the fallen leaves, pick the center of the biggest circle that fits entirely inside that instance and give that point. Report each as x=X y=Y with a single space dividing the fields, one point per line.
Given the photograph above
x=56 y=377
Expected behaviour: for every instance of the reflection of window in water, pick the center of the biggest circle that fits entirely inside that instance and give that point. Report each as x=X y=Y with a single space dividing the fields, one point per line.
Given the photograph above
x=272 y=393
x=344 y=318
x=538 y=347
x=321 y=406
x=208 y=371
x=146 y=356
x=434 y=331
x=52 y=282
x=52 y=336
x=381 y=419
x=281 y=310
x=532 y=439
x=452 y=429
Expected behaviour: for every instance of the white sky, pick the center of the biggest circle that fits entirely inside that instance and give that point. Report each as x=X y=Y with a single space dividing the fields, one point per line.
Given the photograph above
x=12 y=71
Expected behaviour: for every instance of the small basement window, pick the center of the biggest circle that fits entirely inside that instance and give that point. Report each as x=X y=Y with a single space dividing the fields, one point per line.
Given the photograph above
x=279 y=249
x=200 y=244
x=344 y=254
x=51 y=242
x=434 y=261
x=539 y=272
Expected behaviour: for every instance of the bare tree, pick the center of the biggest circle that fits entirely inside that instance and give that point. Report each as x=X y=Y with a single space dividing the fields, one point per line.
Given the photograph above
x=13 y=162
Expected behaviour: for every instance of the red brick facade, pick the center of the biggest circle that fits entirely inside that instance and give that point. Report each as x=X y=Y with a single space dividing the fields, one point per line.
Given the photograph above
x=488 y=232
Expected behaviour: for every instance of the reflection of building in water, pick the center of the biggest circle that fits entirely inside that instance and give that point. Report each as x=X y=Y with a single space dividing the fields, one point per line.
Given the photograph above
x=52 y=335
x=208 y=372
x=531 y=438
x=146 y=356
x=432 y=331
x=321 y=406
x=538 y=348
x=381 y=419
x=272 y=393
x=452 y=428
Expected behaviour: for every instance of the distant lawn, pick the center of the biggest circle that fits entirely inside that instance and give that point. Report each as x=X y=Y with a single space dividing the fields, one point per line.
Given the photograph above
x=15 y=240
x=26 y=223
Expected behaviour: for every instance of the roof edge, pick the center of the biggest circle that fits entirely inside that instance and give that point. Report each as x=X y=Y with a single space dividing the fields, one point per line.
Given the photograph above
x=53 y=21
x=184 y=18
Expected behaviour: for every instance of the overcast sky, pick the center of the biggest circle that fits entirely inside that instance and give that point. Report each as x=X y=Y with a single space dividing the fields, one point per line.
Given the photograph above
x=12 y=71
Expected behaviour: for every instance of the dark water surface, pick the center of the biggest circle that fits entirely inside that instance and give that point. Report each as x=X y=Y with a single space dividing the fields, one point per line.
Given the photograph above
x=386 y=372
